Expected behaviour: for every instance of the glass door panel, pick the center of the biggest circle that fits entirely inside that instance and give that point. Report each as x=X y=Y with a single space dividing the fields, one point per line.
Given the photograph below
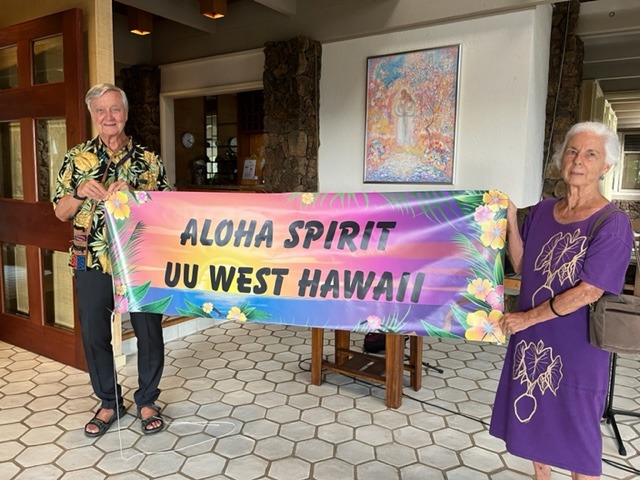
x=16 y=287
x=8 y=67
x=10 y=161
x=51 y=146
x=58 y=289
x=48 y=65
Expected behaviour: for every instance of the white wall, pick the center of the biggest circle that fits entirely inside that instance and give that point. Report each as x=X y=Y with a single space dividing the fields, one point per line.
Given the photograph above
x=501 y=103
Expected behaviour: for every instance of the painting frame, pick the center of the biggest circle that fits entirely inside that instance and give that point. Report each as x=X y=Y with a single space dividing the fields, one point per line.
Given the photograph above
x=411 y=116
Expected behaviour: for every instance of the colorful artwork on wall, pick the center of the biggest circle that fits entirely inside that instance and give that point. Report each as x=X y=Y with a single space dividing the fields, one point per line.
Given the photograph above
x=411 y=116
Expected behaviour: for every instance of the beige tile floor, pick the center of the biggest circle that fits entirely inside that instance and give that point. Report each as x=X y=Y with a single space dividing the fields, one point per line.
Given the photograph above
x=239 y=406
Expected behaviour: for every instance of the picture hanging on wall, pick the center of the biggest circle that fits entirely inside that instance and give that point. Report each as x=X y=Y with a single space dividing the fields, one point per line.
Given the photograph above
x=411 y=116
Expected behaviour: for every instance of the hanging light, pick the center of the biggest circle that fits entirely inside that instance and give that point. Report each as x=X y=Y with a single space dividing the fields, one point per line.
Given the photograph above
x=213 y=8
x=140 y=22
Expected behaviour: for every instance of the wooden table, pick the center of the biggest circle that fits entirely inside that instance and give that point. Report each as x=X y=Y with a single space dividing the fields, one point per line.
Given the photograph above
x=387 y=370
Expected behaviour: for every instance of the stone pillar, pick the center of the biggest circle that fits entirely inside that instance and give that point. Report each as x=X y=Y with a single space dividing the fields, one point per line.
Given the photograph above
x=563 y=100
x=563 y=90
x=291 y=115
x=141 y=83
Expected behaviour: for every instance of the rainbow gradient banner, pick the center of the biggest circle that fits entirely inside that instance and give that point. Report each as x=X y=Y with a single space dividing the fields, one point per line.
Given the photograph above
x=422 y=263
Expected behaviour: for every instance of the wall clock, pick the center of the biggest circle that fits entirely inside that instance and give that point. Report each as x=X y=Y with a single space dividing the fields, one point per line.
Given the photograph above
x=188 y=139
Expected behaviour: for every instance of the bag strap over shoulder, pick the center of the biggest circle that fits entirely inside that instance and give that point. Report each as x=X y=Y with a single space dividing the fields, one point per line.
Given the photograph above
x=601 y=218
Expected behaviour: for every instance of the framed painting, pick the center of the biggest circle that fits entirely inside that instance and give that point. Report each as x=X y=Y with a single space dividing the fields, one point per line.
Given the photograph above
x=411 y=116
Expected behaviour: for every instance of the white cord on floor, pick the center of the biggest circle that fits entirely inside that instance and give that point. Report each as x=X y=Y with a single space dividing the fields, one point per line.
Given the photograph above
x=174 y=450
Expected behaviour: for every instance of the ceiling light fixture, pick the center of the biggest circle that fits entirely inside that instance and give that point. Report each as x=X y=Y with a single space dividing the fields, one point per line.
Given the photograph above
x=140 y=22
x=213 y=8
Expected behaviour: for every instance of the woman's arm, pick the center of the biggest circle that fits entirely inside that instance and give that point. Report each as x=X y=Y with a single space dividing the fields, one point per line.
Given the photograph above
x=567 y=302
x=515 y=246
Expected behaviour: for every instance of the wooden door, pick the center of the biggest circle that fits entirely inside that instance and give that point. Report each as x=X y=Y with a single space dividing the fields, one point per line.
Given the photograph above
x=42 y=113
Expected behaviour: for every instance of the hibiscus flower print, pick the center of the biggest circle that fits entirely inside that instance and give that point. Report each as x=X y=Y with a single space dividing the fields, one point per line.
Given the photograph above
x=480 y=288
x=495 y=200
x=483 y=214
x=374 y=322
x=117 y=205
x=494 y=233
x=483 y=326
x=236 y=314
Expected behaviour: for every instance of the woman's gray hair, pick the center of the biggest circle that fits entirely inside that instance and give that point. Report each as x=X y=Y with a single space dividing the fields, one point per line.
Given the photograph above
x=611 y=143
x=98 y=90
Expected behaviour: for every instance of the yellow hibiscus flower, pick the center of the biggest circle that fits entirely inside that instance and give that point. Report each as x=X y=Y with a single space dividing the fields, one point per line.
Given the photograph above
x=482 y=326
x=495 y=200
x=117 y=205
x=236 y=314
x=494 y=233
x=480 y=288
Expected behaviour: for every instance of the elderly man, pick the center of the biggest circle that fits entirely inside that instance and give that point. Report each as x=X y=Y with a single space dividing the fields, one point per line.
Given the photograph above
x=90 y=172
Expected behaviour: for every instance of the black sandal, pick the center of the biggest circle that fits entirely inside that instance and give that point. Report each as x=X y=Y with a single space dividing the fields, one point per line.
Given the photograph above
x=101 y=424
x=145 y=422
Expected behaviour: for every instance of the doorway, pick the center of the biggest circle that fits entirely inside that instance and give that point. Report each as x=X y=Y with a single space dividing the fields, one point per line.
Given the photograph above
x=42 y=94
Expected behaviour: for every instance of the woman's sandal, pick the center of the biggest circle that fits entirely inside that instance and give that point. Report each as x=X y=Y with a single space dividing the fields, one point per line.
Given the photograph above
x=101 y=424
x=145 y=422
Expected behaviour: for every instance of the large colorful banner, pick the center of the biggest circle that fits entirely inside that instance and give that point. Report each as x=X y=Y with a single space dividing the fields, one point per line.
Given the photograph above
x=423 y=263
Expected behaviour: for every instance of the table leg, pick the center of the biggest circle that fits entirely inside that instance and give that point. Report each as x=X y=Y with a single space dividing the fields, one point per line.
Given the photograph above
x=394 y=346
x=343 y=339
x=415 y=361
x=317 y=346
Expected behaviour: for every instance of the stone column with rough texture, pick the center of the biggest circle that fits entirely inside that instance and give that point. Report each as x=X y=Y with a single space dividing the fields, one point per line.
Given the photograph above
x=141 y=83
x=564 y=88
x=291 y=115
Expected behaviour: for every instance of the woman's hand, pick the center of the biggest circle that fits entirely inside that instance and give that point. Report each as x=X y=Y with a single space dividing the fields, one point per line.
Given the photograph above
x=514 y=322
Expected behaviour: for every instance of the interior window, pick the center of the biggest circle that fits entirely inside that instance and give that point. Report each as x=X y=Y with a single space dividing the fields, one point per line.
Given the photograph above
x=627 y=180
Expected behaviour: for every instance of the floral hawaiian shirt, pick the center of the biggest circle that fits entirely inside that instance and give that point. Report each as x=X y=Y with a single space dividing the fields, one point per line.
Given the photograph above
x=135 y=164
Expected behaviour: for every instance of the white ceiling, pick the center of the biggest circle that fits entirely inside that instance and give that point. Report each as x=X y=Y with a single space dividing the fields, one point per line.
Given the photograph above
x=610 y=30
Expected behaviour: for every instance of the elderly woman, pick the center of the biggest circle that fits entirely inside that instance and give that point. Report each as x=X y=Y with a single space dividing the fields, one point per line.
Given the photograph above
x=553 y=386
x=89 y=173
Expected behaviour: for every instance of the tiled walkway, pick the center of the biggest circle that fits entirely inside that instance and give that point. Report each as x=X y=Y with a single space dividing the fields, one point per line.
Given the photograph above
x=240 y=406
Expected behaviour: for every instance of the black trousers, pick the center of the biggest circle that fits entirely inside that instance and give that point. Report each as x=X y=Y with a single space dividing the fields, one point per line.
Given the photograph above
x=95 y=304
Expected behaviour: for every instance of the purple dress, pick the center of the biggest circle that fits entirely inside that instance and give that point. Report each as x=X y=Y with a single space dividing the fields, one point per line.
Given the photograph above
x=553 y=385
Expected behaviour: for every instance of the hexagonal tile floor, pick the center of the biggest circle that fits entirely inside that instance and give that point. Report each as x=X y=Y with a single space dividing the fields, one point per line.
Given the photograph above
x=239 y=405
